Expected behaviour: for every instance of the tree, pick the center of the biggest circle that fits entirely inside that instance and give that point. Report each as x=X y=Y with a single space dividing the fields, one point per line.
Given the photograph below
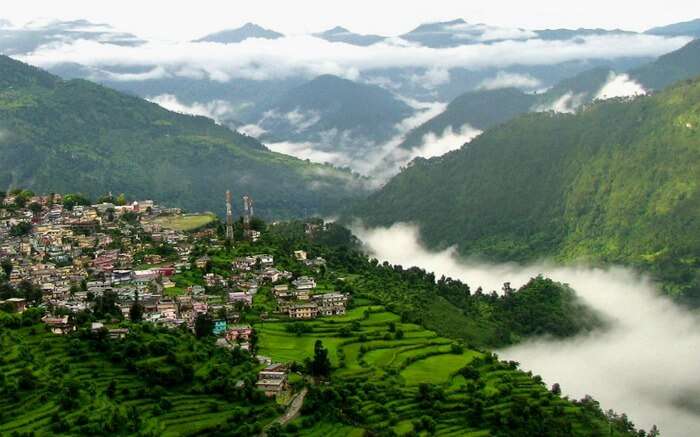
x=20 y=229
x=320 y=366
x=136 y=310
x=121 y=200
x=556 y=389
x=6 y=265
x=203 y=325
x=35 y=208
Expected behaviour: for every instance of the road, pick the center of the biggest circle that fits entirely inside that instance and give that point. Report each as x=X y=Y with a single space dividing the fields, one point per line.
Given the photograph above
x=292 y=411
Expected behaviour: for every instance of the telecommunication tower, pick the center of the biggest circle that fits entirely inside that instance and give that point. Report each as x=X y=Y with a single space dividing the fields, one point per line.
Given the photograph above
x=229 y=217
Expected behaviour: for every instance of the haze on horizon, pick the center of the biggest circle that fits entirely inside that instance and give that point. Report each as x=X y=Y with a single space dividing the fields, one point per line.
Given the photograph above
x=167 y=20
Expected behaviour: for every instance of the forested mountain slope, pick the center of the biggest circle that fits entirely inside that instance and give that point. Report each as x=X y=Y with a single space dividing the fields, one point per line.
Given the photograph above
x=618 y=182
x=79 y=136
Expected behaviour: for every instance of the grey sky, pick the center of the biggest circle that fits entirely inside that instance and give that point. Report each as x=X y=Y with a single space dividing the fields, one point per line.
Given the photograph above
x=169 y=19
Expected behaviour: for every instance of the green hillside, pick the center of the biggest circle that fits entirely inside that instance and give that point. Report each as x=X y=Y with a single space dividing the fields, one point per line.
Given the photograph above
x=681 y=64
x=78 y=136
x=397 y=378
x=616 y=183
x=155 y=382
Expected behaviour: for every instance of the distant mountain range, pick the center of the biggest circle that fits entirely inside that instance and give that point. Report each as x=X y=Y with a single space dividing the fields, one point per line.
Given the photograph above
x=689 y=28
x=616 y=182
x=78 y=136
x=335 y=114
x=14 y=40
x=483 y=109
x=363 y=105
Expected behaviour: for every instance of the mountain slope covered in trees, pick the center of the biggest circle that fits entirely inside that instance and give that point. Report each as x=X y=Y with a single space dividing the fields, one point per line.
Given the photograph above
x=617 y=182
x=79 y=136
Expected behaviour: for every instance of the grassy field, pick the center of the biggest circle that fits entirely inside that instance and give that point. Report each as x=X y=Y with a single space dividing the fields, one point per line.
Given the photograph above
x=186 y=222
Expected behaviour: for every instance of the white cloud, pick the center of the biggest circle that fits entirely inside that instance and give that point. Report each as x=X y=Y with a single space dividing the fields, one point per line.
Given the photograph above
x=510 y=80
x=153 y=73
x=252 y=130
x=449 y=140
x=644 y=365
x=620 y=85
x=310 y=151
x=431 y=78
x=305 y=55
x=217 y=110
x=298 y=119
x=485 y=32
x=567 y=103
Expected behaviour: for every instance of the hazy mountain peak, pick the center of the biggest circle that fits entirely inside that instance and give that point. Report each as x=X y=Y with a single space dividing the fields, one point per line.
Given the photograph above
x=686 y=28
x=342 y=34
x=233 y=36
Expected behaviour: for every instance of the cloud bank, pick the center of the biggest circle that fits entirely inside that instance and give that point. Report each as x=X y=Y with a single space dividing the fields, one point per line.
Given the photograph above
x=305 y=55
x=645 y=364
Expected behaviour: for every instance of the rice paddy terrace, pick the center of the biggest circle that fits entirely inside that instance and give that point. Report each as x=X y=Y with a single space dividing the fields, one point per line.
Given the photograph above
x=401 y=378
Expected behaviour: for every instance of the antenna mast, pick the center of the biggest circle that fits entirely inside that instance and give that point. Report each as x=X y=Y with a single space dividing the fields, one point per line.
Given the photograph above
x=229 y=217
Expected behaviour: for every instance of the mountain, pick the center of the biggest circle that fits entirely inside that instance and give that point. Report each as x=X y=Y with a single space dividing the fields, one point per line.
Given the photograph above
x=341 y=34
x=485 y=108
x=79 y=136
x=681 y=64
x=478 y=109
x=26 y=39
x=686 y=28
x=233 y=36
x=616 y=182
x=335 y=114
x=459 y=32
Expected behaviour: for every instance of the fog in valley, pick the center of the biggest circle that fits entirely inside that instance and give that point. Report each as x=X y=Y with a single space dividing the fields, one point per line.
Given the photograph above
x=644 y=364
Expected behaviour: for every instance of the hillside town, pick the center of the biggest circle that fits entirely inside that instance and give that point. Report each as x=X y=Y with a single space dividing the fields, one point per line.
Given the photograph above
x=124 y=261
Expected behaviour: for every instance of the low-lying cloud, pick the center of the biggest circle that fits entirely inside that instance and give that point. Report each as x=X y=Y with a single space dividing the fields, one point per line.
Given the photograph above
x=567 y=103
x=510 y=80
x=217 y=110
x=304 y=55
x=310 y=151
x=645 y=364
x=620 y=85
x=449 y=140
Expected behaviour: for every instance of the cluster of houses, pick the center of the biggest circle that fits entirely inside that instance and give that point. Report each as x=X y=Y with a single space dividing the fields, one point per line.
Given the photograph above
x=78 y=254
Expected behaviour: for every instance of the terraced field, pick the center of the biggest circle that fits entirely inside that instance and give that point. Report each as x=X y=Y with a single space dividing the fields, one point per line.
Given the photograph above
x=408 y=379
x=365 y=341
x=38 y=370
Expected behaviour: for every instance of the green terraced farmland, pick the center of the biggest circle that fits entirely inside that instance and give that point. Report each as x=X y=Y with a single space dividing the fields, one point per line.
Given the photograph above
x=77 y=385
x=407 y=379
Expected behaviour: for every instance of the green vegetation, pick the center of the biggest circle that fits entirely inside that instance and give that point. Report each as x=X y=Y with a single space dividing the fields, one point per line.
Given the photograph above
x=397 y=384
x=154 y=382
x=76 y=136
x=187 y=222
x=681 y=64
x=615 y=183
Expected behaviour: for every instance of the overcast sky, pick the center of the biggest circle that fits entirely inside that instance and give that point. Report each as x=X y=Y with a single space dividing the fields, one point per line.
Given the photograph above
x=169 y=19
